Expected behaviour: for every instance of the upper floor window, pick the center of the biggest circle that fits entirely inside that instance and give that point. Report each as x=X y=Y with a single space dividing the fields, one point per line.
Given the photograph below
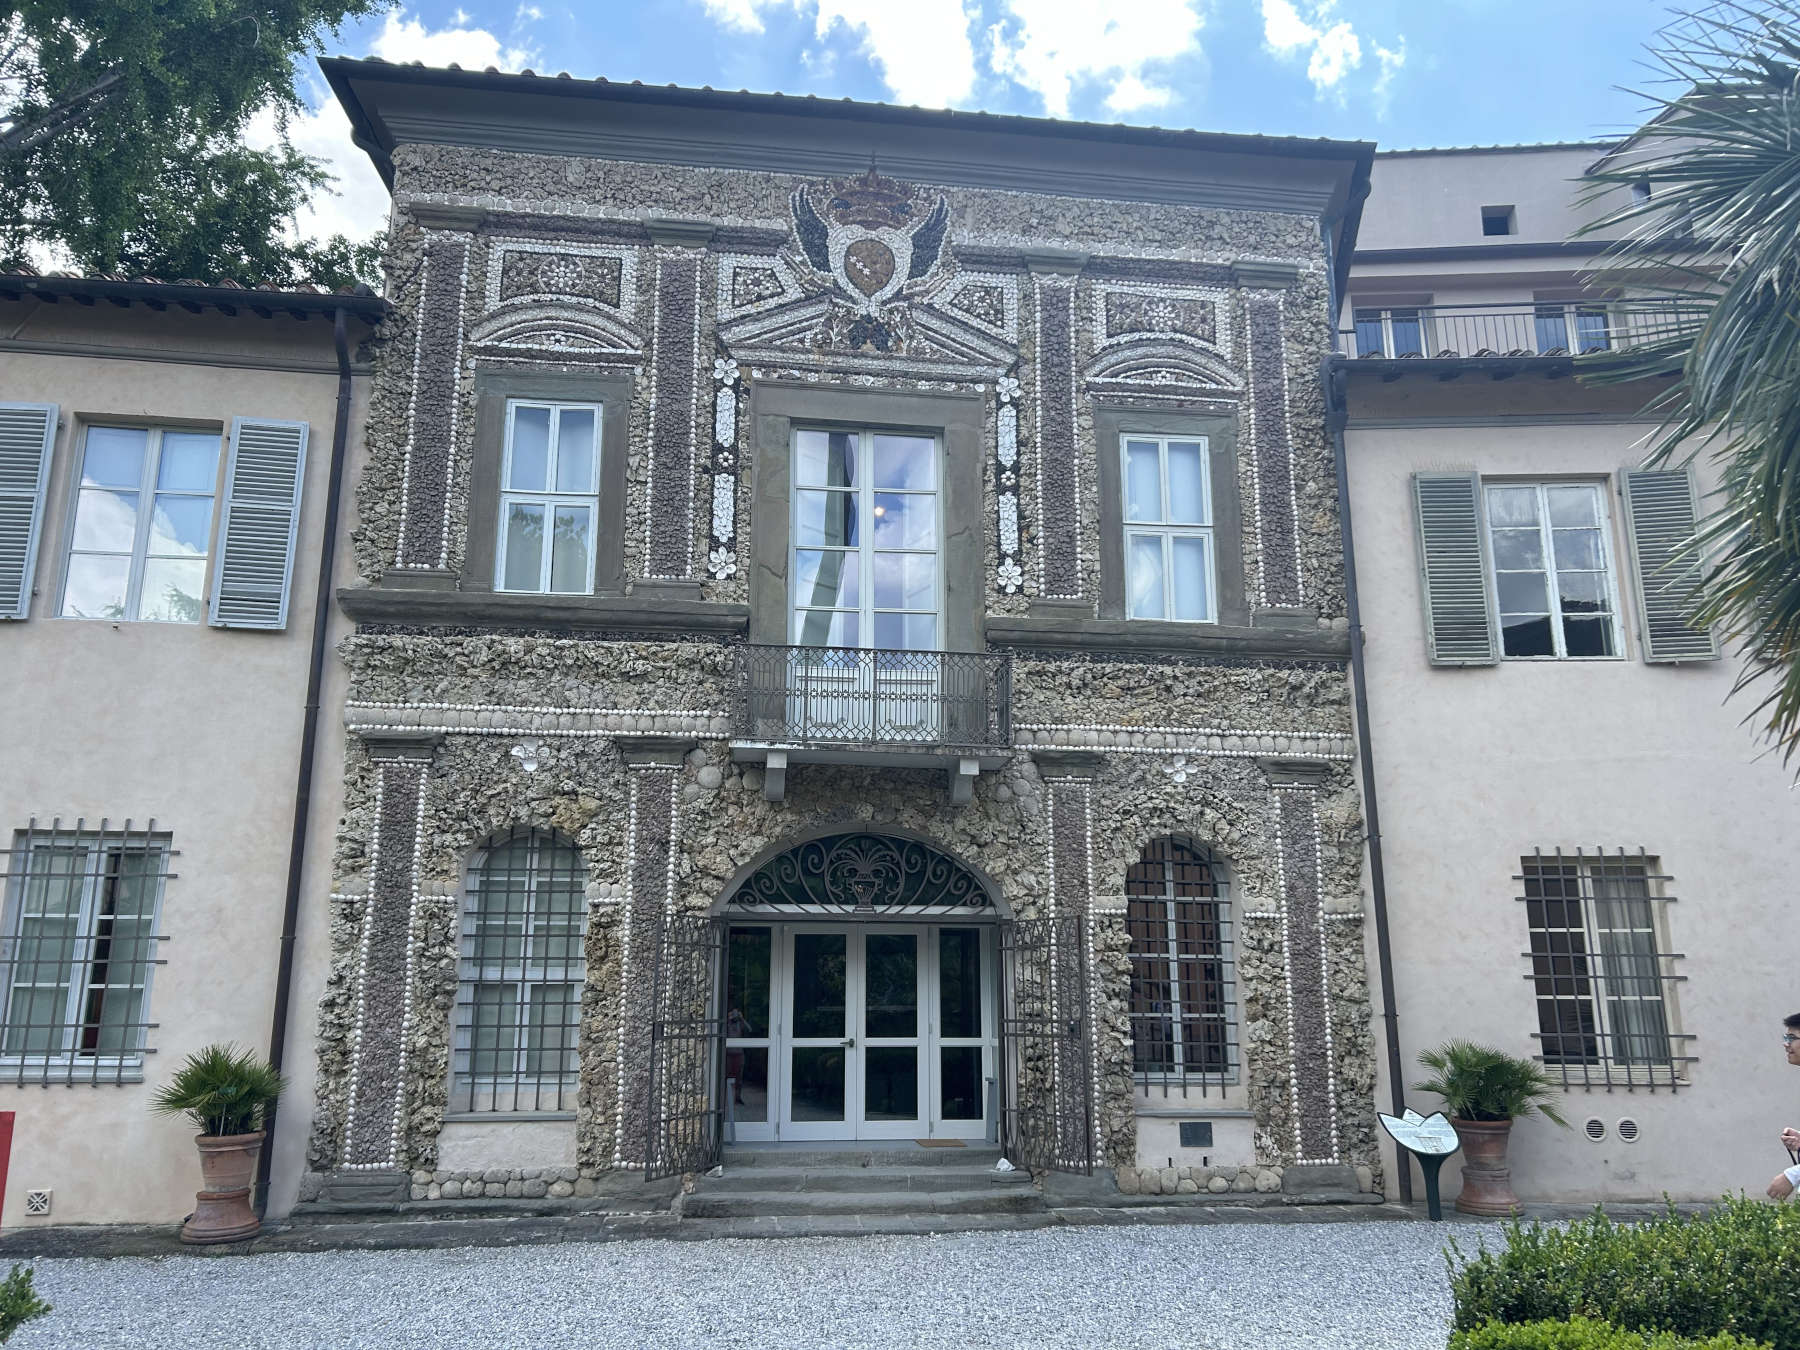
x=1389 y=331
x=523 y=969
x=1553 y=577
x=1169 y=562
x=80 y=943
x=142 y=531
x=1598 y=968
x=866 y=533
x=1499 y=220
x=549 y=498
x=1570 y=326
x=1177 y=915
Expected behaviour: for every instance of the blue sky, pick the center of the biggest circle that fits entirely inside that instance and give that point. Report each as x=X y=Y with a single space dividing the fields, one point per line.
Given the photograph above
x=1403 y=73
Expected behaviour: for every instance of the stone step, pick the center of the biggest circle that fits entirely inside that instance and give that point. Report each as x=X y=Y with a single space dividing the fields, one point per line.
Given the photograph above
x=738 y=1180
x=821 y=1204
x=895 y=1155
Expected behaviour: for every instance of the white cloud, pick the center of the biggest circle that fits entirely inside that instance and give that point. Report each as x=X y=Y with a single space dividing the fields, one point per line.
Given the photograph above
x=738 y=15
x=1131 y=95
x=1332 y=47
x=402 y=39
x=357 y=205
x=1051 y=46
x=920 y=47
x=1390 y=60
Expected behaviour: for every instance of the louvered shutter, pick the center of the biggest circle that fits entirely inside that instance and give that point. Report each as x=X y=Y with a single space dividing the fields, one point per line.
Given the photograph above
x=1660 y=516
x=1459 y=624
x=261 y=515
x=27 y=431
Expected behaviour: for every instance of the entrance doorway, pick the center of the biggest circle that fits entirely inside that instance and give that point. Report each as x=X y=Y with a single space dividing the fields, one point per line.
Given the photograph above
x=859 y=1030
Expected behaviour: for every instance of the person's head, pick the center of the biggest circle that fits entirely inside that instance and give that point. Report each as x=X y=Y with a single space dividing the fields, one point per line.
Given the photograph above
x=1791 y=1038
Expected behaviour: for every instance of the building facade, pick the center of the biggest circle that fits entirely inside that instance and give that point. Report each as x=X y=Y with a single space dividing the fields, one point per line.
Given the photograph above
x=1584 y=844
x=165 y=464
x=849 y=644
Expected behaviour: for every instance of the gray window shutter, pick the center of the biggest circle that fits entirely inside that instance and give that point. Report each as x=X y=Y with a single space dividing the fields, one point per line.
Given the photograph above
x=1453 y=568
x=261 y=514
x=27 y=431
x=1661 y=512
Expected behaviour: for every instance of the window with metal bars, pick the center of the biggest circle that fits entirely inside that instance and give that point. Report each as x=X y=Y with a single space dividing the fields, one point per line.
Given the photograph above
x=1599 y=970
x=518 y=1027
x=82 y=905
x=1183 y=1030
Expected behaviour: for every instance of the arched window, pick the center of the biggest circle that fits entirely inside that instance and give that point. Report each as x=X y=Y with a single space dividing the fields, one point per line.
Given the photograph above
x=518 y=1006
x=1182 y=1025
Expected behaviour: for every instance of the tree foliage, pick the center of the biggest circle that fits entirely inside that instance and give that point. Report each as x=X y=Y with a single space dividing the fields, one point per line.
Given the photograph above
x=152 y=175
x=1720 y=157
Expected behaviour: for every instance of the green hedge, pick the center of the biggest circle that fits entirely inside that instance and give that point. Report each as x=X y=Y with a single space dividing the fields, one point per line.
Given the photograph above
x=18 y=1301
x=1581 y=1334
x=1737 y=1269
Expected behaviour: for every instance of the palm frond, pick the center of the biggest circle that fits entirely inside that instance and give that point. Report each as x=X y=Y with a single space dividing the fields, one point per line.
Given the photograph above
x=1720 y=153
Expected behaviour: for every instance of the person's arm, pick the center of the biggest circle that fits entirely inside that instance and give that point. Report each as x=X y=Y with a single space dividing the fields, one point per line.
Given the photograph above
x=1784 y=1183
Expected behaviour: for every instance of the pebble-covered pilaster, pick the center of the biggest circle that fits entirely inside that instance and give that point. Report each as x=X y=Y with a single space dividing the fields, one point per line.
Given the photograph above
x=651 y=846
x=1058 y=462
x=1273 y=451
x=432 y=431
x=675 y=368
x=373 y=1120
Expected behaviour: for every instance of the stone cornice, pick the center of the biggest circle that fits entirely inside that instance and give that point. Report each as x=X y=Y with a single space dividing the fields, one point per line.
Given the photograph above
x=652 y=617
x=1043 y=630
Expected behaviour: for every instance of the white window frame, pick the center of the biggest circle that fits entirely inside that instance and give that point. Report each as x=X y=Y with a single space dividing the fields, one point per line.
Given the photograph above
x=147 y=493
x=1165 y=530
x=95 y=1067
x=865 y=491
x=549 y=499
x=1386 y=313
x=1608 y=560
x=469 y=1088
x=1568 y=311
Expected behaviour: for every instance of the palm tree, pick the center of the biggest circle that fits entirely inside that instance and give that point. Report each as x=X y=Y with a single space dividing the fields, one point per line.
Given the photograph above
x=1711 y=184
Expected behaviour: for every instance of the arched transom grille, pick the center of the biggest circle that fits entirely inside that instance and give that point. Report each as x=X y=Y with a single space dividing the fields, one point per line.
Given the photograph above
x=862 y=874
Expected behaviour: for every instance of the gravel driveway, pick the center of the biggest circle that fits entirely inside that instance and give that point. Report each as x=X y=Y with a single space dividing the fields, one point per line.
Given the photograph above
x=1364 y=1285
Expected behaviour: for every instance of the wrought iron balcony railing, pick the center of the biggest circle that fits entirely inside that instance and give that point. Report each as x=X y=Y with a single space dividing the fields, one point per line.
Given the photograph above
x=849 y=698
x=1542 y=328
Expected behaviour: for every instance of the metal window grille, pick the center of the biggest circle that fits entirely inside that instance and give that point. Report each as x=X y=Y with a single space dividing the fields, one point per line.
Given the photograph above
x=518 y=1025
x=82 y=905
x=1178 y=915
x=1598 y=969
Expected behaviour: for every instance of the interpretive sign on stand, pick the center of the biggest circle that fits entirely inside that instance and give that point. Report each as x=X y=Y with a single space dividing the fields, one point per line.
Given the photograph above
x=1430 y=1139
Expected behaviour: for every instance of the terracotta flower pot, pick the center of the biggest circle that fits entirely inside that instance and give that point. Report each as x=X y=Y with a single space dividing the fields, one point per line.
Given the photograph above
x=1486 y=1177
x=222 y=1211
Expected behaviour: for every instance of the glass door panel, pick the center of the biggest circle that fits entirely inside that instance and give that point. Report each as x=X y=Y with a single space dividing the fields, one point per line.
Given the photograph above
x=819 y=1040
x=890 y=1058
x=963 y=1028
x=749 y=982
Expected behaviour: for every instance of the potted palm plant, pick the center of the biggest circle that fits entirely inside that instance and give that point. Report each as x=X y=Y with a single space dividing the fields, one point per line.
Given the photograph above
x=1484 y=1090
x=225 y=1091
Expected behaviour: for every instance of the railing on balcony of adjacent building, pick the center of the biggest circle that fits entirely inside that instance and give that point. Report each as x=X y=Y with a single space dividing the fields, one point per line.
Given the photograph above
x=1532 y=329
x=852 y=698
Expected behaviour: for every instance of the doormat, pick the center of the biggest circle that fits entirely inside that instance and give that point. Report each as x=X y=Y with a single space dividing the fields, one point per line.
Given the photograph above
x=940 y=1143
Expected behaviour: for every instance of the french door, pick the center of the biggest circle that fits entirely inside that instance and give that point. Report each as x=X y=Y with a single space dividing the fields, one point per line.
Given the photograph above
x=859 y=1031
x=867 y=587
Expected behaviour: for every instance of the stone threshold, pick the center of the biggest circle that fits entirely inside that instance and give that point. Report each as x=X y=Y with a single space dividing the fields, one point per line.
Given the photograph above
x=416 y=1230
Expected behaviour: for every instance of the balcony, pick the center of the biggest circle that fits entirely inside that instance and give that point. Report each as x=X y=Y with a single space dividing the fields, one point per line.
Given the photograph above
x=849 y=705
x=1546 y=333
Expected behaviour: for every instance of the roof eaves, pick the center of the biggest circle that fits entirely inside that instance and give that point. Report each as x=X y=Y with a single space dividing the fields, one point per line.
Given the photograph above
x=226 y=296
